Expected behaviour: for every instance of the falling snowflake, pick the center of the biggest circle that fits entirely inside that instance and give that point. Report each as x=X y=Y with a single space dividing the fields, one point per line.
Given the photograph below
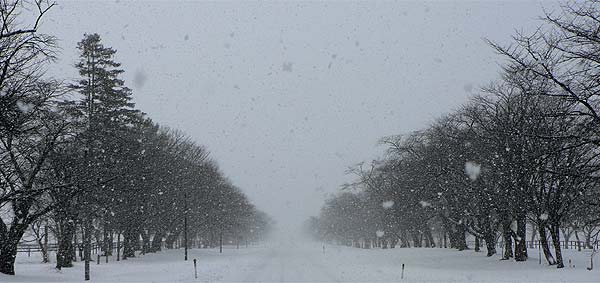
x=388 y=204
x=424 y=203
x=24 y=107
x=473 y=170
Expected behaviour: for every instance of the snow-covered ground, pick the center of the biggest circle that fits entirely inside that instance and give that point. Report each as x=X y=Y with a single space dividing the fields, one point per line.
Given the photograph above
x=284 y=262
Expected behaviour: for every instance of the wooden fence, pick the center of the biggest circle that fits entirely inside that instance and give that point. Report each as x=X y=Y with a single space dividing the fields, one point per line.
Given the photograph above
x=576 y=245
x=33 y=248
x=97 y=247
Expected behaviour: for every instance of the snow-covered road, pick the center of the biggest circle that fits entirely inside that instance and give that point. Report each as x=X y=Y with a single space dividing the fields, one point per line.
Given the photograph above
x=287 y=261
x=290 y=264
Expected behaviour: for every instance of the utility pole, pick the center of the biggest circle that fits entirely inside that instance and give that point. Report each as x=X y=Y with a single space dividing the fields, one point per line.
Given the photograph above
x=185 y=238
x=87 y=245
x=221 y=242
x=46 y=259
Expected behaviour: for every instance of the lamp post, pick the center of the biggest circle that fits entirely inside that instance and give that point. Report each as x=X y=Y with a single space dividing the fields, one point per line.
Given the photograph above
x=185 y=238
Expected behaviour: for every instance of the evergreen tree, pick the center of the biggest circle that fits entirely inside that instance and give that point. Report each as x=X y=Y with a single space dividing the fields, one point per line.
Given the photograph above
x=104 y=112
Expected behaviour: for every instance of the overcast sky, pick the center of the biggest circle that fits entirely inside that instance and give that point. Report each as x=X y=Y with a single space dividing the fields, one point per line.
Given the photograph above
x=287 y=95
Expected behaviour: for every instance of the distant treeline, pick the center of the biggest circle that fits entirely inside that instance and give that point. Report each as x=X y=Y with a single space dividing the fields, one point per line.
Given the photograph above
x=78 y=159
x=520 y=159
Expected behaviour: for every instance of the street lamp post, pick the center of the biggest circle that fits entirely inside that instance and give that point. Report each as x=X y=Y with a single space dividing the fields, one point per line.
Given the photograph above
x=185 y=238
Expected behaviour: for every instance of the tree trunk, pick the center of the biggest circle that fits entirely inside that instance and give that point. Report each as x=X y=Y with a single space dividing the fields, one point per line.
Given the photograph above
x=533 y=233
x=8 y=253
x=111 y=246
x=393 y=242
x=445 y=240
x=170 y=241
x=65 y=252
x=106 y=243
x=429 y=238
x=9 y=240
x=555 y=234
x=566 y=237
x=588 y=238
x=87 y=246
x=507 y=239
x=490 y=244
x=416 y=239
x=521 y=239
x=156 y=244
x=461 y=238
x=403 y=239
x=544 y=244
x=452 y=236
x=98 y=239
x=145 y=242
x=130 y=242
x=578 y=241
x=78 y=246
x=42 y=241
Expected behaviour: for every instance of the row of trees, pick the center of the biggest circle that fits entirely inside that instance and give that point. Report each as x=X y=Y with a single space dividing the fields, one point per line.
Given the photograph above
x=519 y=159
x=79 y=158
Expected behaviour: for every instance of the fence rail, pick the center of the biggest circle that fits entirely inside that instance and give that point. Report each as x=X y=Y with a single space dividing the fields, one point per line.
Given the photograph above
x=536 y=244
x=96 y=247
x=33 y=248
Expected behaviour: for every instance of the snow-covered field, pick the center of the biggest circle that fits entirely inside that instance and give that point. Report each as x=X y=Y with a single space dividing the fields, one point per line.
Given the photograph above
x=286 y=262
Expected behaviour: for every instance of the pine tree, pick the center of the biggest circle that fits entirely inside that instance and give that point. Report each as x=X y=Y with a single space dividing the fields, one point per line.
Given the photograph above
x=104 y=112
x=105 y=102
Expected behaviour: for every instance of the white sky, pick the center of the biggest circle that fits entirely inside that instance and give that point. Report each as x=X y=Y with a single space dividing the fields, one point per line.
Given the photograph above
x=287 y=95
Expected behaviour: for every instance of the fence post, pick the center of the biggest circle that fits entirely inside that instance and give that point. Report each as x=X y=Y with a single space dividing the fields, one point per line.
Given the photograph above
x=195 y=270
x=402 y=274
